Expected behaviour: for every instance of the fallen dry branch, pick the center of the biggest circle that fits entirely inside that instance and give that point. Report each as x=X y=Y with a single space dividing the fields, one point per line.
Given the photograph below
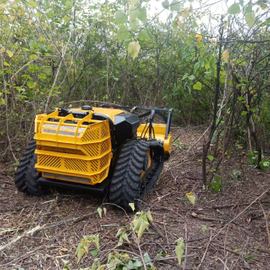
x=237 y=216
x=14 y=240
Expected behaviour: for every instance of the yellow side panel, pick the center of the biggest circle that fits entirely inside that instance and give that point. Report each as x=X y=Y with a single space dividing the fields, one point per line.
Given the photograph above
x=158 y=134
x=74 y=150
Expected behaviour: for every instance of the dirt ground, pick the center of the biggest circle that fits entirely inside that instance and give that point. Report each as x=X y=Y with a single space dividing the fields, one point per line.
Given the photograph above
x=228 y=229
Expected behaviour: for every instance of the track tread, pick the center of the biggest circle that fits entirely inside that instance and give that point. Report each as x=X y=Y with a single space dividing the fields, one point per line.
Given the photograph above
x=126 y=184
x=21 y=173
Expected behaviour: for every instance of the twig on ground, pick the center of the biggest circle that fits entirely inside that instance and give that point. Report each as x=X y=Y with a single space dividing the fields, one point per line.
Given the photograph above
x=208 y=244
x=266 y=222
x=14 y=240
x=240 y=214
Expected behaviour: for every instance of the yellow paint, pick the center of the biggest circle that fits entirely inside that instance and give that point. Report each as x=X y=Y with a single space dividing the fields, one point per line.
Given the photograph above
x=158 y=134
x=73 y=149
x=79 y=150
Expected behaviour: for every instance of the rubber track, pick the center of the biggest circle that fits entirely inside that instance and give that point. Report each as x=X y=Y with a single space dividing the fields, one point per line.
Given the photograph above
x=126 y=181
x=33 y=187
x=21 y=173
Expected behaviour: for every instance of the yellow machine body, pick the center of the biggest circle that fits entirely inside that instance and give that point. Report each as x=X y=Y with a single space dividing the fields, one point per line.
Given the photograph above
x=69 y=149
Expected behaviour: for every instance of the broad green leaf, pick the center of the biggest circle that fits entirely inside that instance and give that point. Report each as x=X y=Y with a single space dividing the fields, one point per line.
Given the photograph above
x=126 y=43
x=120 y=17
x=134 y=13
x=197 y=86
x=10 y=53
x=95 y=239
x=175 y=5
x=191 y=77
x=132 y=206
x=196 y=66
x=250 y=19
x=143 y=226
x=225 y=56
x=166 y=4
x=234 y=9
x=244 y=112
x=80 y=252
x=142 y=14
x=123 y=33
x=99 y=210
x=179 y=249
x=211 y=158
x=249 y=8
x=42 y=76
x=134 y=48
x=2 y=101
x=7 y=64
x=191 y=197
x=212 y=62
x=134 y=24
x=143 y=35
x=96 y=265
x=32 y=3
x=31 y=84
x=94 y=252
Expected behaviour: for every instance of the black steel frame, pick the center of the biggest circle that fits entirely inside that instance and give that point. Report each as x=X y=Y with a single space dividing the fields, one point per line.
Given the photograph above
x=151 y=112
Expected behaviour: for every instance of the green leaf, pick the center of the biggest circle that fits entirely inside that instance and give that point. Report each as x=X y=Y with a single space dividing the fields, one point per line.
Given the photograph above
x=133 y=2
x=191 y=77
x=134 y=13
x=204 y=228
x=143 y=35
x=250 y=19
x=175 y=5
x=120 y=17
x=166 y=4
x=191 y=197
x=31 y=84
x=32 y=3
x=134 y=24
x=94 y=252
x=149 y=216
x=99 y=210
x=6 y=64
x=197 y=86
x=142 y=14
x=211 y=158
x=196 y=66
x=10 y=53
x=179 y=249
x=80 y=252
x=134 y=48
x=144 y=225
x=126 y=43
x=42 y=76
x=123 y=33
x=249 y=8
x=234 y=9
x=244 y=112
